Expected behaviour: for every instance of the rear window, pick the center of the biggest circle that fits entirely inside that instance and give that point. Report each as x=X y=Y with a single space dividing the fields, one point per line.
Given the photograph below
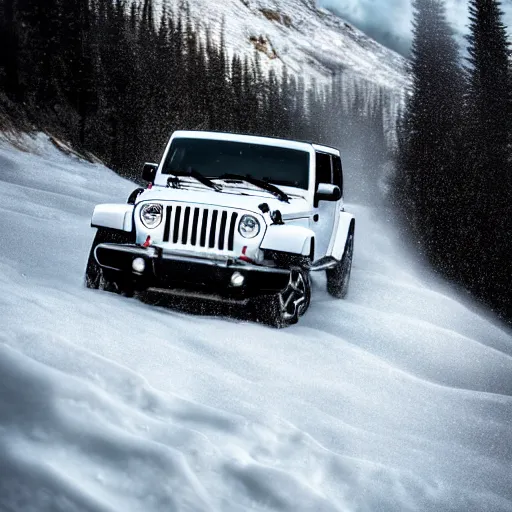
x=213 y=158
x=337 y=172
x=323 y=168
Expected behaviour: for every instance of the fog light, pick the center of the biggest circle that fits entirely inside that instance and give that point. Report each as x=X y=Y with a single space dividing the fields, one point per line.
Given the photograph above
x=237 y=279
x=139 y=265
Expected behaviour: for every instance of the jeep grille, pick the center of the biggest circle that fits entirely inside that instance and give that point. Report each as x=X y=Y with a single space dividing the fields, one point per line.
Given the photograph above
x=209 y=228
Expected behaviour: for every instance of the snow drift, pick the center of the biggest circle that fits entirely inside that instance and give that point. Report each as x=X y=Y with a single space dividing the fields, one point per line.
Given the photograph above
x=399 y=398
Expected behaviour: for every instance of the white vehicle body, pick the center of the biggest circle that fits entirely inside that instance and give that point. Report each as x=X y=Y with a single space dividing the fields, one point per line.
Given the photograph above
x=303 y=223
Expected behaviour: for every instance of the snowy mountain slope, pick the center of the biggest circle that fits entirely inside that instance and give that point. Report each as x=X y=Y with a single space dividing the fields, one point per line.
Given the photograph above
x=309 y=40
x=399 y=398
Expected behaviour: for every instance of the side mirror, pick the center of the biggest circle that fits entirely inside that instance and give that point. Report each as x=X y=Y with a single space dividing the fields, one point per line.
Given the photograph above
x=327 y=192
x=149 y=172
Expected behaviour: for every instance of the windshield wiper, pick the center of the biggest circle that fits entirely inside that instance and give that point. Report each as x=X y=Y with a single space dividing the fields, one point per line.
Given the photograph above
x=275 y=191
x=193 y=173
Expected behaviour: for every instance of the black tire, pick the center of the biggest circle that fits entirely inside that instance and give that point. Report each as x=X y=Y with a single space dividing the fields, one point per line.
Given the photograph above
x=95 y=277
x=286 y=307
x=338 y=278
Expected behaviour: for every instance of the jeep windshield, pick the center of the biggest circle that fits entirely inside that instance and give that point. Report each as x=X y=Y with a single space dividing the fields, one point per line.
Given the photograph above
x=217 y=158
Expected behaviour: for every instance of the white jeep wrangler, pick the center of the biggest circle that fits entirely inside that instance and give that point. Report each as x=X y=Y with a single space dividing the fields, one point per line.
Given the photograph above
x=232 y=218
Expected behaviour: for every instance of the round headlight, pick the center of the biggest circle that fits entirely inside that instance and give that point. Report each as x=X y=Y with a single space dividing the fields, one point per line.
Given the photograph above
x=249 y=226
x=151 y=215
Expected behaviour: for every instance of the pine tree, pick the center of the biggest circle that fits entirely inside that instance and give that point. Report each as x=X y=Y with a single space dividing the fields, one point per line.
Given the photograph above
x=40 y=54
x=426 y=185
x=10 y=51
x=78 y=76
x=248 y=99
x=273 y=111
x=286 y=104
x=237 y=71
x=489 y=188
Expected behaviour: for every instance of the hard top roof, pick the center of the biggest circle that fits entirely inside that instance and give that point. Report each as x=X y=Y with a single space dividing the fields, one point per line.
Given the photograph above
x=255 y=139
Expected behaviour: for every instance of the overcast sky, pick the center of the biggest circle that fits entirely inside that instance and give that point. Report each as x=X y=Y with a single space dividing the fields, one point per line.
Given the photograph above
x=389 y=21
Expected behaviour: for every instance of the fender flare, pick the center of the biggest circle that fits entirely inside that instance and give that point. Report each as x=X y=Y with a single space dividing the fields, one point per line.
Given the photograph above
x=290 y=239
x=346 y=224
x=113 y=216
x=134 y=195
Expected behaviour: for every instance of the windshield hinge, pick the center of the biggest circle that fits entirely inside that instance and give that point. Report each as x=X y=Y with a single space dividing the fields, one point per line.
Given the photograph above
x=173 y=182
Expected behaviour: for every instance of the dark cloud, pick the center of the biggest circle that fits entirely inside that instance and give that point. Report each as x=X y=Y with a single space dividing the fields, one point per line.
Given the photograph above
x=389 y=21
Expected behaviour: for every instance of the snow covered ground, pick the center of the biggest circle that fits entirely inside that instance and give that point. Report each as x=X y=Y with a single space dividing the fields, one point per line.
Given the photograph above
x=399 y=398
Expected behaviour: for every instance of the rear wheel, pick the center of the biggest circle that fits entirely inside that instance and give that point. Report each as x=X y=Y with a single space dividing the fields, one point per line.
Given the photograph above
x=286 y=307
x=338 y=278
x=96 y=277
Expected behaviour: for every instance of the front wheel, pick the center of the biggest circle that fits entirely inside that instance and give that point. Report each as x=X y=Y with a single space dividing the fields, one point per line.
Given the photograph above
x=338 y=278
x=286 y=307
x=95 y=277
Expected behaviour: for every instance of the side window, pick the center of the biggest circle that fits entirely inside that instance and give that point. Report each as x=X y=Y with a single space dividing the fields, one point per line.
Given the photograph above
x=337 y=171
x=323 y=168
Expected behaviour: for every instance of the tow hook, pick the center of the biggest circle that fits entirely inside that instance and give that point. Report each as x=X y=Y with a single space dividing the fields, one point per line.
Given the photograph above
x=244 y=256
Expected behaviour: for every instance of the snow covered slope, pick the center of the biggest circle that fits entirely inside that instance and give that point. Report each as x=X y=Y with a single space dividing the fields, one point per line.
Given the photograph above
x=399 y=398
x=309 y=40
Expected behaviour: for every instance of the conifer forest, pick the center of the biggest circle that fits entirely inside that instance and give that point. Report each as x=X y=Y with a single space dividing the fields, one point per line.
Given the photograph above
x=453 y=183
x=117 y=79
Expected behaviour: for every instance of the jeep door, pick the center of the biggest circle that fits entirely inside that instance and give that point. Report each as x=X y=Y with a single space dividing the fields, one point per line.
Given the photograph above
x=328 y=170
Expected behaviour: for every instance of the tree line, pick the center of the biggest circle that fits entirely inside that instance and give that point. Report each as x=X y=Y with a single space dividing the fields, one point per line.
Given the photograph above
x=114 y=78
x=454 y=179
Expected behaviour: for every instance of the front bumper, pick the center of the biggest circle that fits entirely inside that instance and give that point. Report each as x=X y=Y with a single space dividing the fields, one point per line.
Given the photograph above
x=189 y=274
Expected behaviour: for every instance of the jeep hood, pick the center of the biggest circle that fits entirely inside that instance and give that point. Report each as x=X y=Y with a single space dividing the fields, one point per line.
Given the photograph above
x=242 y=199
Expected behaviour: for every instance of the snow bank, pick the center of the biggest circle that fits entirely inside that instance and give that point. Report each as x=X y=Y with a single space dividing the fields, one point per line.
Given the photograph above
x=398 y=398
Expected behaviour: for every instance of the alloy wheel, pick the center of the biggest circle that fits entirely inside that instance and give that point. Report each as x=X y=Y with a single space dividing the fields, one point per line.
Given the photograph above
x=294 y=298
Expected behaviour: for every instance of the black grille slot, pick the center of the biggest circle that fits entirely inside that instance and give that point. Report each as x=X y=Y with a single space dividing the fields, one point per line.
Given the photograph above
x=177 y=218
x=195 y=220
x=199 y=226
x=213 y=229
x=231 y=237
x=202 y=241
x=167 y=228
x=186 y=219
x=222 y=234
